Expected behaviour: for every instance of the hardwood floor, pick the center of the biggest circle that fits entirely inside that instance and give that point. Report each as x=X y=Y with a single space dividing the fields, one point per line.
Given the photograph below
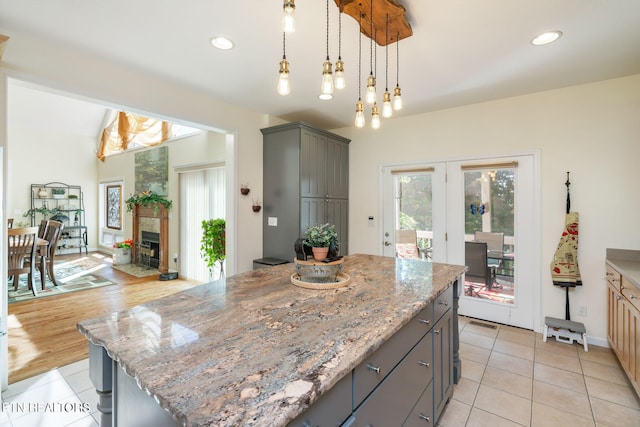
x=42 y=331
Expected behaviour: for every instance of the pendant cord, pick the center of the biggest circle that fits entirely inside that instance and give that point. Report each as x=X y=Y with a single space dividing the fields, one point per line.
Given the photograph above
x=397 y=59
x=327 y=30
x=386 y=56
x=284 y=45
x=371 y=38
x=340 y=31
x=359 y=58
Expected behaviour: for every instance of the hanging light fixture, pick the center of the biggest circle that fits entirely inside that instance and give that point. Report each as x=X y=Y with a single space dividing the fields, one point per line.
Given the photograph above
x=326 y=87
x=375 y=117
x=284 y=87
x=387 y=110
x=359 y=105
x=340 y=81
x=397 y=99
x=288 y=20
x=370 y=95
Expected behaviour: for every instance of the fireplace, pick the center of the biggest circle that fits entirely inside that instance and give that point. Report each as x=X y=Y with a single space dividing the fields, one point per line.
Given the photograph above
x=151 y=236
x=149 y=252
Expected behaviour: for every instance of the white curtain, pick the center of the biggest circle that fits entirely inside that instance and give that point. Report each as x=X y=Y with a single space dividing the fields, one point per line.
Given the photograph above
x=202 y=196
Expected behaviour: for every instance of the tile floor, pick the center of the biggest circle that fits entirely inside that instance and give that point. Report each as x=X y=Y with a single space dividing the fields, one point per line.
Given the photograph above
x=510 y=377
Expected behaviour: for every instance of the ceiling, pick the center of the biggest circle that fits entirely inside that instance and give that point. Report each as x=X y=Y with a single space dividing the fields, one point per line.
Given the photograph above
x=461 y=51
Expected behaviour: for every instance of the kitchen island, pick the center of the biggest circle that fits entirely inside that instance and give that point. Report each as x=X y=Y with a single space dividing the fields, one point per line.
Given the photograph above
x=254 y=350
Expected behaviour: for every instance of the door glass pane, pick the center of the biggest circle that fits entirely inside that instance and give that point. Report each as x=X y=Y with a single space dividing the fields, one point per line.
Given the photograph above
x=413 y=214
x=489 y=220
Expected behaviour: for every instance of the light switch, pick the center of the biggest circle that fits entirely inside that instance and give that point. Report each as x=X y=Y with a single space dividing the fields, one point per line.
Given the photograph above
x=272 y=221
x=371 y=221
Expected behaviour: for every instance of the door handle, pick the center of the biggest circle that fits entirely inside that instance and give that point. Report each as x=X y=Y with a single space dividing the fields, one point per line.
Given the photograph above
x=387 y=243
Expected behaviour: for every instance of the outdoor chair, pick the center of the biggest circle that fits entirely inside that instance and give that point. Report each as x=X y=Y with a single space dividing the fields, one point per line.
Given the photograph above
x=407 y=244
x=476 y=260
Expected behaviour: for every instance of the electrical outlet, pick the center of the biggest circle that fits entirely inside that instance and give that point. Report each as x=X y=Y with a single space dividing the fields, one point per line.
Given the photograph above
x=582 y=310
x=175 y=257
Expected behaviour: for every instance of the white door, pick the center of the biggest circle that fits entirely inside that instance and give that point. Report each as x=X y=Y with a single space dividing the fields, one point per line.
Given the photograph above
x=414 y=200
x=497 y=197
x=505 y=198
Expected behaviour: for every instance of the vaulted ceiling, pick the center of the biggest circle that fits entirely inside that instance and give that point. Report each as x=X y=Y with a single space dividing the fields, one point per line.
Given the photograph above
x=461 y=51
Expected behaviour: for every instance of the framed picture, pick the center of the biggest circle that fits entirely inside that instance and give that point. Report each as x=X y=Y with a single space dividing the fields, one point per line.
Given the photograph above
x=114 y=207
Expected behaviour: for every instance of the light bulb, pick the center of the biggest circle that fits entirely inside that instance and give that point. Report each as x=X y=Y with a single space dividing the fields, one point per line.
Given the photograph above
x=387 y=110
x=284 y=87
x=288 y=20
x=326 y=87
x=375 y=117
x=397 y=99
x=370 y=95
x=340 y=81
x=359 y=114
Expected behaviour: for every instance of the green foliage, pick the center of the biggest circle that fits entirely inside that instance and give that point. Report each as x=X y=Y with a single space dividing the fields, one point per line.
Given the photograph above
x=321 y=235
x=58 y=190
x=147 y=198
x=46 y=212
x=212 y=245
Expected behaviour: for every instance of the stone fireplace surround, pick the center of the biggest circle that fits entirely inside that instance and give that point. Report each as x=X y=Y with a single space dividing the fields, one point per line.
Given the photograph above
x=147 y=219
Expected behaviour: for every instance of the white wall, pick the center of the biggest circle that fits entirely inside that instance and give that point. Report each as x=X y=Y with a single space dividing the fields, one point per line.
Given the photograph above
x=591 y=130
x=43 y=63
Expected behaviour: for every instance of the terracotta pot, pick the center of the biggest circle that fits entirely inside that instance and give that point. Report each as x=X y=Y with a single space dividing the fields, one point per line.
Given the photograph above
x=319 y=253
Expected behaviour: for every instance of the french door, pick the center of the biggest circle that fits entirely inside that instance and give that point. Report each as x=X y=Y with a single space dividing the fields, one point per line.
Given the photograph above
x=466 y=200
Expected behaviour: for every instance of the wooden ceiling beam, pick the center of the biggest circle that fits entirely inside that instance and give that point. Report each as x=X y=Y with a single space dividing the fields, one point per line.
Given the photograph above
x=399 y=27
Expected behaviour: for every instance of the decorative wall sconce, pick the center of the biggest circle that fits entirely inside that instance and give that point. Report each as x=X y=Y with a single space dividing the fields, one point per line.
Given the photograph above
x=244 y=189
x=257 y=205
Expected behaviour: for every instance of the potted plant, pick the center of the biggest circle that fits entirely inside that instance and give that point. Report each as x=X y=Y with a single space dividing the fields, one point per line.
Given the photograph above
x=147 y=198
x=122 y=252
x=321 y=237
x=212 y=245
x=58 y=192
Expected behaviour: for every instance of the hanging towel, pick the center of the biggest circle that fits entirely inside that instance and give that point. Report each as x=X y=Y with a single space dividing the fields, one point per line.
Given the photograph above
x=564 y=267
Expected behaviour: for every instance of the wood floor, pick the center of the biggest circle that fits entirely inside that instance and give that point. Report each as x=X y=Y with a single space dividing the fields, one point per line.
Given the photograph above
x=42 y=331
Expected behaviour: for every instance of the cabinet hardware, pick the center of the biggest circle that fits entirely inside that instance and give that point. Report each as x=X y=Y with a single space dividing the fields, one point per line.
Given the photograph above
x=443 y=302
x=425 y=364
x=621 y=286
x=424 y=417
x=376 y=369
x=436 y=331
x=632 y=296
x=618 y=297
x=425 y=321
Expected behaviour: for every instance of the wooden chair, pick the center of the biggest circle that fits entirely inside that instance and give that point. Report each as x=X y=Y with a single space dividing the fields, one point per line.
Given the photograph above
x=10 y=223
x=47 y=254
x=22 y=255
x=42 y=228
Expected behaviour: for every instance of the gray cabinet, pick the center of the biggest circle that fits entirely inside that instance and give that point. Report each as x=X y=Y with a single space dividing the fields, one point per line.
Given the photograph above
x=305 y=182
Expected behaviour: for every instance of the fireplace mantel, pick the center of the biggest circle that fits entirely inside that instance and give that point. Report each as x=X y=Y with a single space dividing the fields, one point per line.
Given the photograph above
x=160 y=212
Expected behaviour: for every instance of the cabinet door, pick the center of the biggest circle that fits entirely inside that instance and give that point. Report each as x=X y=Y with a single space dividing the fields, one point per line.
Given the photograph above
x=337 y=213
x=443 y=362
x=312 y=211
x=630 y=340
x=337 y=169
x=313 y=164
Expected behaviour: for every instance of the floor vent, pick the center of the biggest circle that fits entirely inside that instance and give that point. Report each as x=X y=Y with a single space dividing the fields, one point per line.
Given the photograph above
x=484 y=325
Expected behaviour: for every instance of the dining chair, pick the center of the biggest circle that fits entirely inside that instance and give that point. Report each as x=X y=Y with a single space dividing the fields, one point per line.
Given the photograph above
x=42 y=228
x=22 y=255
x=476 y=260
x=10 y=223
x=48 y=252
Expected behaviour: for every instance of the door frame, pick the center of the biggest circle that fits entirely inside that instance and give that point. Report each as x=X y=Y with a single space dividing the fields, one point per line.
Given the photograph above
x=454 y=252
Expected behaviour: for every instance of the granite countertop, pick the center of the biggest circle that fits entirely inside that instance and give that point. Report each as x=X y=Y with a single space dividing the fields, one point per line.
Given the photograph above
x=253 y=349
x=627 y=262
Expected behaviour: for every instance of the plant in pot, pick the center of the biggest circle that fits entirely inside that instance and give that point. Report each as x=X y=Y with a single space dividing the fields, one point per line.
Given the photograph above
x=321 y=237
x=58 y=192
x=212 y=245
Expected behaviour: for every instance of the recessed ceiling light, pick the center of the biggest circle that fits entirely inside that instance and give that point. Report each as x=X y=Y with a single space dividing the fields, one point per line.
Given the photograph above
x=222 y=42
x=546 y=38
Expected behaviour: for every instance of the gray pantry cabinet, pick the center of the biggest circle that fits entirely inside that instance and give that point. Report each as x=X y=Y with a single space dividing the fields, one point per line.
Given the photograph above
x=305 y=182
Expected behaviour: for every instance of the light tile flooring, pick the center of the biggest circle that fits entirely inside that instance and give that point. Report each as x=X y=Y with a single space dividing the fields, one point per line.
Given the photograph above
x=510 y=377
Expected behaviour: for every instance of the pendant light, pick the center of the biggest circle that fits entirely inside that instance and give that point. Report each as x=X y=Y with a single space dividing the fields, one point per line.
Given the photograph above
x=359 y=105
x=387 y=109
x=340 y=81
x=397 y=99
x=370 y=95
x=326 y=87
x=288 y=20
x=375 y=117
x=284 y=87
